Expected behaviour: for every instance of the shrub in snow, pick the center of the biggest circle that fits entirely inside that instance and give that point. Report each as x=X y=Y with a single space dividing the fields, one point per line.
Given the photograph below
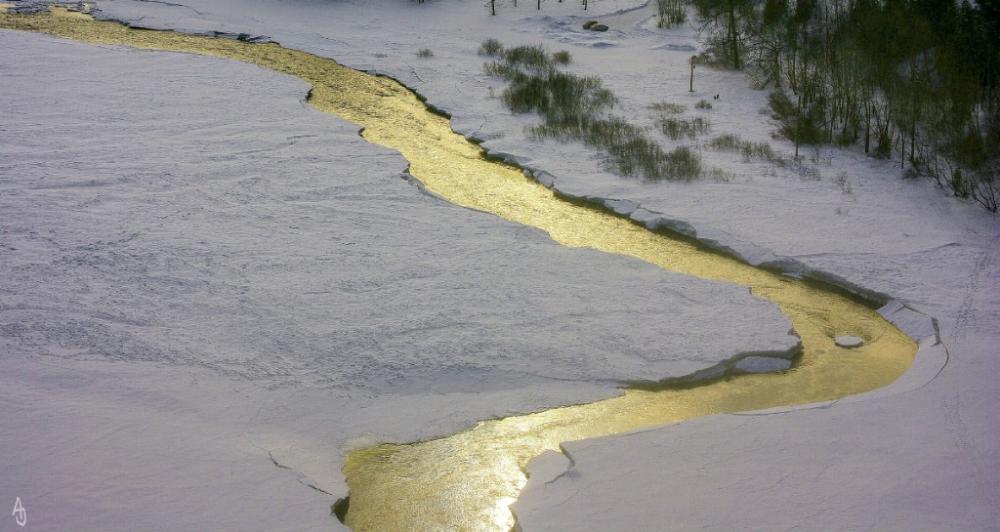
x=491 y=48
x=575 y=108
x=561 y=57
x=675 y=128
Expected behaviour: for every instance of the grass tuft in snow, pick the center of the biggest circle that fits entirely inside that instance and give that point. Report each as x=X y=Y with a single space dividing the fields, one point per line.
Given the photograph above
x=703 y=104
x=562 y=57
x=751 y=151
x=844 y=184
x=762 y=151
x=531 y=57
x=677 y=128
x=668 y=107
x=721 y=176
x=491 y=48
x=424 y=53
x=683 y=163
x=577 y=108
x=629 y=150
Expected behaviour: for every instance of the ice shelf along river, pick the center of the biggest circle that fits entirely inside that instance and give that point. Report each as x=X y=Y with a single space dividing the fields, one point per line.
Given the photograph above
x=468 y=480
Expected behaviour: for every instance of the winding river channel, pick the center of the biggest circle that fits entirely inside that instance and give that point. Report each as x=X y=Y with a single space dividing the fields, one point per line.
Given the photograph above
x=468 y=480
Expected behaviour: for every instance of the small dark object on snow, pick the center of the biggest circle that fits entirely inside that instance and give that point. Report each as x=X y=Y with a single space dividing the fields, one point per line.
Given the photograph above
x=716 y=96
x=589 y=24
x=341 y=507
x=598 y=27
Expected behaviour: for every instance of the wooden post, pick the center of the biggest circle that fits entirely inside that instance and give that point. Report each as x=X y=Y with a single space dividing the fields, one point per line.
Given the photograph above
x=694 y=61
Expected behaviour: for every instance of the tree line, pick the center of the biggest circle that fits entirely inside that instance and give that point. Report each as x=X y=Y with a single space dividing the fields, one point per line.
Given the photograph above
x=912 y=80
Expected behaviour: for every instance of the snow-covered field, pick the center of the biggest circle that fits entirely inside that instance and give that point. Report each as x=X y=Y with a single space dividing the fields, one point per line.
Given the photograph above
x=198 y=270
x=209 y=291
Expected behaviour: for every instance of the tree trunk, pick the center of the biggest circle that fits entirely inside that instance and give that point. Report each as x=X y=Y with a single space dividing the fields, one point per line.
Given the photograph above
x=913 y=110
x=902 y=149
x=691 y=84
x=733 y=43
x=798 y=124
x=868 y=126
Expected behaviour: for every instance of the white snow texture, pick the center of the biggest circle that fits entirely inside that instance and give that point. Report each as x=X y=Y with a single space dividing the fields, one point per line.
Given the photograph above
x=199 y=274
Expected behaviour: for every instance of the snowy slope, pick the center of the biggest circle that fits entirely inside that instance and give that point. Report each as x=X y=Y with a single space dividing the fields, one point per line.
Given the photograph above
x=923 y=459
x=209 y=291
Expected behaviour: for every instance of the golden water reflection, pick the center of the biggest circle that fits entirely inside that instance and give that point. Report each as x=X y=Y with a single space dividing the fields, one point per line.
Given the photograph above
x=466 y=481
